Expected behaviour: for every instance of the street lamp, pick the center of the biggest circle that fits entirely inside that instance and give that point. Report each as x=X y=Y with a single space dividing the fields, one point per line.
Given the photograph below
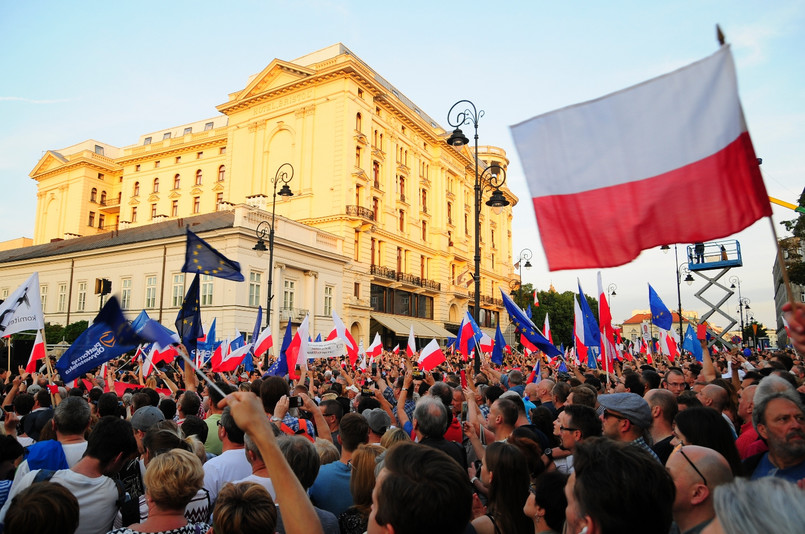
x=525 y=255
x=497 y=200
x=743 y=303
x=611 y=291
x=265 y=227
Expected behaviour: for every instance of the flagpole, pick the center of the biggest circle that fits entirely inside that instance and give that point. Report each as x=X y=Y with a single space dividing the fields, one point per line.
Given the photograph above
x=183 y=353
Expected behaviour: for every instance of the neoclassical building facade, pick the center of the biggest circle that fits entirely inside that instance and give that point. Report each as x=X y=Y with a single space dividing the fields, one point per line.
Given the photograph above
x=370 y=169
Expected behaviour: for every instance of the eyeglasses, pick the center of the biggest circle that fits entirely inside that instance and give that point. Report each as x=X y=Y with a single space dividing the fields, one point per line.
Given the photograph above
x=532 y=488
x=678 y=449
x=568 y=429
x=608 y=414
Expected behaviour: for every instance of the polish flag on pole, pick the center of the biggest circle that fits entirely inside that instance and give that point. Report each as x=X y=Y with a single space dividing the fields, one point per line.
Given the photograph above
x=296 y=353
x=341 y=331
x=410 y=350
x=578 y=332
x=605 y=326
x=231 y=361
x=396 y=349
x=486 y=343
x=677 y=142
x=546 y=329
x=431 y=356
x=148 y=360
x=264 y=342
x=376 y=348
x=536 y=300
x=37 y=353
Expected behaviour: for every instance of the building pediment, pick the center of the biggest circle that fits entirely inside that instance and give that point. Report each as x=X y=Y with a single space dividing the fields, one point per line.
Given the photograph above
x=277 y=74
x=50 y=161
x=196 y=191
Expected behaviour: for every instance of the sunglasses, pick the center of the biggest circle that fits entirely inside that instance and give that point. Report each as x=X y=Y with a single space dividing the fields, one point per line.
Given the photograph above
x=678 y=449
x=568 y=429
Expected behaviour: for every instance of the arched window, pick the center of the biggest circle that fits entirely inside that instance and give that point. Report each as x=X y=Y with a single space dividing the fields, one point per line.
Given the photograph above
x=176 y=181
x=358 y=122
x=136 y=189
x=156 y=185
x=198 y=177
x=93 y=195
x=103 y=197
x=221 y=173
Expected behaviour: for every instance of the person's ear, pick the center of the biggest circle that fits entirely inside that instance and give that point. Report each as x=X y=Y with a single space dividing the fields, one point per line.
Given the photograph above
x=762 y=432
x=700 y=494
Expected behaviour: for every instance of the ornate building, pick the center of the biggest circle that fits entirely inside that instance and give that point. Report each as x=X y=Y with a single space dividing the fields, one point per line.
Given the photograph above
x=370 y=168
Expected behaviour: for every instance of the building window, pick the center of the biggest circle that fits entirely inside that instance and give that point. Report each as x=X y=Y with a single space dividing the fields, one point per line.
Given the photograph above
x=91 y=218
x=356 y=290
x=196 y=204
x=103 y=198
x=401 y=183
x=376 y=208
x=151 y=292
x=156 y=164
x=178 y=159
x=358 y=122
x=99 y=150
x=328 y=300
x=357 y=156
x=492 y=236
x=188 y=130
x=62 y=303
x=206 y=290
x=176 y=181
x=222 y=150
x=199 y=155
x=174 y=208
x=207 y=126
x=101 y=220
x=255 y=279
x=198 y=177
x=119 y=197
x=425 y=231
x=402 y=220
x=43 y=296
x=288 y=293
x=177 y=290
x=219 y=197
x=147 y=141
x=136 y=191
x=357 y=245
x=449 y=213
x=137 y=168
x=424 y=201
x=82 y=296
x=166 y=135
x=466 y=224
x=376 y=173
x=153 y=211
x=221 y=173
x=156 y=185
x=134 y=214
x=93 y=195
x=125 y=297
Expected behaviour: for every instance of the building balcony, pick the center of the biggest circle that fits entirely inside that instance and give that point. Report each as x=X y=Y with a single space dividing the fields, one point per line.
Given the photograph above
x=383 y=272
x=292 y=314
x=110 y=206
x=360 y=211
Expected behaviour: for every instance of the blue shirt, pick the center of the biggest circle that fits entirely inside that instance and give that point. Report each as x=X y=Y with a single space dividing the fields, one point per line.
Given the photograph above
x=331 y=491
x=767 y=469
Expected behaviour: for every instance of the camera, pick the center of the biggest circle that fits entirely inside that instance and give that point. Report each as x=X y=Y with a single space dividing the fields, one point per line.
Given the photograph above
x=295 y=402
x=366 y=391
x=418 y=375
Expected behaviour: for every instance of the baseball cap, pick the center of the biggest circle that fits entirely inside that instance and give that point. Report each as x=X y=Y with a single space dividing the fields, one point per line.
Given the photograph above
x=379 y=420
x=145 y=417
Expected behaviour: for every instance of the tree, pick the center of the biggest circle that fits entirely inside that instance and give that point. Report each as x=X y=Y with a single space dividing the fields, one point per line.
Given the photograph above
x=749 y=331
x=558 y=306
x=792 y=246
x=73 y=330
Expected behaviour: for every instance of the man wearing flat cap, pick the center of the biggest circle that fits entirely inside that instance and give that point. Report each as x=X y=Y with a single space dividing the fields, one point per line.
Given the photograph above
x=379 y=421
x=627 y=418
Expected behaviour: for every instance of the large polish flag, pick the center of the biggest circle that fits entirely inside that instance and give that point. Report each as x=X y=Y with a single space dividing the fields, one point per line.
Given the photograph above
x=376 y=348
x=675 y=149
x=37 y=353
x=341 y=331
x=605 y=326
x=264 y=342
x=430 y=356
x=410 y=349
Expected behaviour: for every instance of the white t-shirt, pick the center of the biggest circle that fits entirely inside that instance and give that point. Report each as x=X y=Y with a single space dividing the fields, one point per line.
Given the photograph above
x=228 y=466
x=72 y=451
x=263 y=481
x=97 y=498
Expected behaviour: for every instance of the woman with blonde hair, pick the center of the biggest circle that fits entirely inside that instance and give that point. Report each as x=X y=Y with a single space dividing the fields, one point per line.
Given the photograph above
x=392 y=436
x=172 y=480
x=361 y=483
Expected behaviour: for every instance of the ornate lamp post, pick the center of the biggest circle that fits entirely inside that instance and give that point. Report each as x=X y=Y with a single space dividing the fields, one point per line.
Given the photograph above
x=265 y=227
x=743 y=304
x=525 y=256
x=494 y=181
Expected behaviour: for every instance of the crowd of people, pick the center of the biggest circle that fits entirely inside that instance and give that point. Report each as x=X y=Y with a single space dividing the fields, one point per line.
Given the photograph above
x=672 y=447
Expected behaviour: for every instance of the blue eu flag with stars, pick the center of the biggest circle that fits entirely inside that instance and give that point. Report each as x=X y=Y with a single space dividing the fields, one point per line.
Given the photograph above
x=660 y=315
x=201 y=258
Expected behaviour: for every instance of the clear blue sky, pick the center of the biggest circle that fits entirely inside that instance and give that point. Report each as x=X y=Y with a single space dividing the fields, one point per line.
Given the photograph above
x=113 y=70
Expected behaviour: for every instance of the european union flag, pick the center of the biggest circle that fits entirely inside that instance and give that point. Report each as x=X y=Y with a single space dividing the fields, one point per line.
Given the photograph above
x=527 y=328
x=188 y=322
x=660 y=315
x=691 y=343
x=200 y=257
x=528 y=311
x=500 y=344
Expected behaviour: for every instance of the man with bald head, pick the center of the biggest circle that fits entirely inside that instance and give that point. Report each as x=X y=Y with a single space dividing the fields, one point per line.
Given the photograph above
x=696 y=472
x=545 y=395
x=717 y=398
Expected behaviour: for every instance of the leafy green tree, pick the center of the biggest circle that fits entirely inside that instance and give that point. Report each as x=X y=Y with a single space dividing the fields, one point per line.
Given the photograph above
x=749 y=331
x=558 y=306
x=73 y=330
x=795 y=263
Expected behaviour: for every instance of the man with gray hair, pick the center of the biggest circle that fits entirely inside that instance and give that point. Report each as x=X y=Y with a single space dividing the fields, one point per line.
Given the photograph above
x=259 y=474
x=431 y=420
x=231 y=464
x=70 y=421
x=779 y=418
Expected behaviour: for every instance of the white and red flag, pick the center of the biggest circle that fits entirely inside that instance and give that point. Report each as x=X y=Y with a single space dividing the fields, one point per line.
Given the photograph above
x=608 y=353
x=376 y=348
x=37 y=353
x=396 y=349
x=676 y=145
x=264 y=342
x=546 y=329
x=410 y=349
x=341 y=331
x=431 y=356
x=536 y=300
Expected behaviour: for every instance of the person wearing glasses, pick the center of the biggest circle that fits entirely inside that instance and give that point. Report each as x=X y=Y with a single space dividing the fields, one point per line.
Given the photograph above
x=627 y=418
x=573 y=425
x=696 y=472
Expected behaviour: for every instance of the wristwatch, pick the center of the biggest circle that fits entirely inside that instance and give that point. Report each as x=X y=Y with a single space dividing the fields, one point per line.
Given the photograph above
x=277 y=419
x=549 y=453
